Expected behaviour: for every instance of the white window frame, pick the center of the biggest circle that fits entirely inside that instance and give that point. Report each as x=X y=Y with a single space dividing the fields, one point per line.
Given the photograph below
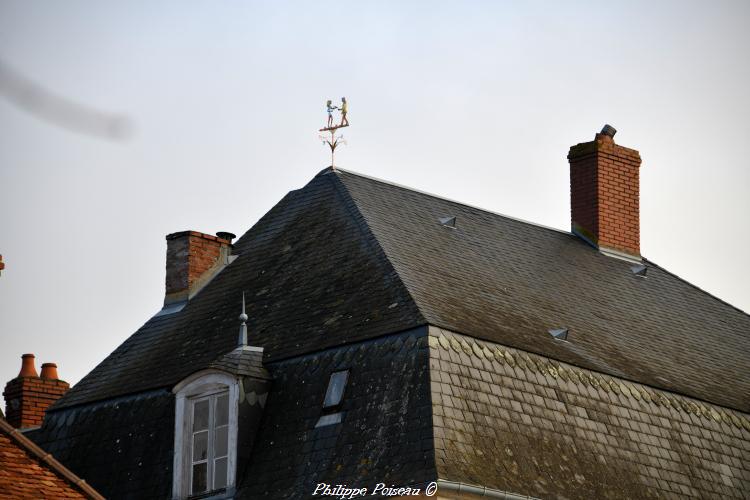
x=211 y=429
x=198 y=386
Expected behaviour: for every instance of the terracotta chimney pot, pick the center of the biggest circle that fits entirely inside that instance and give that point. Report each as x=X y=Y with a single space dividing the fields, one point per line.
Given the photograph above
x=49 y=371
x=27 y=366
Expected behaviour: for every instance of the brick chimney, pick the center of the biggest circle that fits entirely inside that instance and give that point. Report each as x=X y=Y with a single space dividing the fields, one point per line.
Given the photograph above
x=604 y=195
x=29 y=395
x=194 y=258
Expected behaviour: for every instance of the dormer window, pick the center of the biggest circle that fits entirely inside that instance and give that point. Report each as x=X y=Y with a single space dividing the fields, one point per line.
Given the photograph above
x=205 y=451
x=210 y=435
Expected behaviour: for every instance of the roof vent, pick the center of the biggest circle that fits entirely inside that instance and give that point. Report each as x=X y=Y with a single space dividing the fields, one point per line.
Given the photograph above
x=639 y=270
x=559 y=333
x=448 y=222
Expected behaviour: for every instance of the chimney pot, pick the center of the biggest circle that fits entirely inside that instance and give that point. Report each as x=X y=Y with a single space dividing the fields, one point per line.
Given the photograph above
x=226 y=235
x=27 y=366
x=609 y=131
x=49 y=371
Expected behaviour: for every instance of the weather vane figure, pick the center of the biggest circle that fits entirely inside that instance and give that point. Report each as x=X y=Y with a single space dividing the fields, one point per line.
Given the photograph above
x=334 y=140
x=330 y=108
x=344 y=110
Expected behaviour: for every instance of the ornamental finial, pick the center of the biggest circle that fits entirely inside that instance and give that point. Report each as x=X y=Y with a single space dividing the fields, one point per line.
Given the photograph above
x=243 y=325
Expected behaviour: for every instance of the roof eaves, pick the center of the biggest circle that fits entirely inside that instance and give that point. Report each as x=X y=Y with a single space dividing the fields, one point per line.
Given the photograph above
x=106 y=400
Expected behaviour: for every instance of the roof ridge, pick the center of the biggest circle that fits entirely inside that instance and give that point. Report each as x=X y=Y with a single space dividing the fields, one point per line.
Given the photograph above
x=439 y=197
x=359 y=219
x=696 y=286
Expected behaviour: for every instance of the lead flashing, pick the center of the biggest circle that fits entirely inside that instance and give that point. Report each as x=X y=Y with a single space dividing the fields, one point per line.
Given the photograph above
x=172 y=308
x=587 y=237
x=616 y=254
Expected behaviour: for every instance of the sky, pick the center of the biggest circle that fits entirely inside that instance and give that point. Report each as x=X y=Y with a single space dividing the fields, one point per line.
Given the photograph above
x=214 y=109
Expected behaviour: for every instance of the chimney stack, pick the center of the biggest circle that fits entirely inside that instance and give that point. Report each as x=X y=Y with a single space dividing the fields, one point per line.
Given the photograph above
x=28 y=395
x=193 y=258
x=604 y=195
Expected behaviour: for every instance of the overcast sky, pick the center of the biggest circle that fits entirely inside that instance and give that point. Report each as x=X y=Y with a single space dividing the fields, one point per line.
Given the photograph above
x=474 y=101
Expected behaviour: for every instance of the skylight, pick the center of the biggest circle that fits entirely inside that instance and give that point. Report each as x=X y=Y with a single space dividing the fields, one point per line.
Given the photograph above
x=335 y=391
x=333 y=418
x=331 y=413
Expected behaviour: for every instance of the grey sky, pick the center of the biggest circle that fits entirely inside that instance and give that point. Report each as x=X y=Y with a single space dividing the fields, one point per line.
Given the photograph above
x=475 y=101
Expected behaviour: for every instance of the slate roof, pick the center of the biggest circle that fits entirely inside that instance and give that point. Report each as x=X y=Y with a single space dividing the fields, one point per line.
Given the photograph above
x=347 y=272
x=27 y=471
x=386 y=429
x=122 y=447
x=515 y=421
x=247 y=361
x=296 y=267
x=491 y=277
x=508 y=281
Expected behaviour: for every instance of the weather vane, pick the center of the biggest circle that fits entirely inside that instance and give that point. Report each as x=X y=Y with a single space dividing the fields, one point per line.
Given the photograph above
x=334 y=140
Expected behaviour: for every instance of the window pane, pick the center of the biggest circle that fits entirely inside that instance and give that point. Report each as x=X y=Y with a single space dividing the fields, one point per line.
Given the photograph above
x=220 y=473
x=199 y=478
x=335 y=389
x=222 y=410
x=200 y=415
x=200 y=446
x=334 y=418
x=220 y=441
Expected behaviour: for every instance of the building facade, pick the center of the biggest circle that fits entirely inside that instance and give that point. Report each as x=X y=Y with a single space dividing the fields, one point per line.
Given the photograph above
x=399 y=339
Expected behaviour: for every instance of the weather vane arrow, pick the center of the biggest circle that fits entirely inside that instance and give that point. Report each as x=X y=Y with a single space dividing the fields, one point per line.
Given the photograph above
x=334 y=140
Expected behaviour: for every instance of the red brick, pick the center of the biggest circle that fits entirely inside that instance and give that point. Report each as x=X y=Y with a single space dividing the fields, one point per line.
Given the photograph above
x=604 y=190
x=27 y=399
